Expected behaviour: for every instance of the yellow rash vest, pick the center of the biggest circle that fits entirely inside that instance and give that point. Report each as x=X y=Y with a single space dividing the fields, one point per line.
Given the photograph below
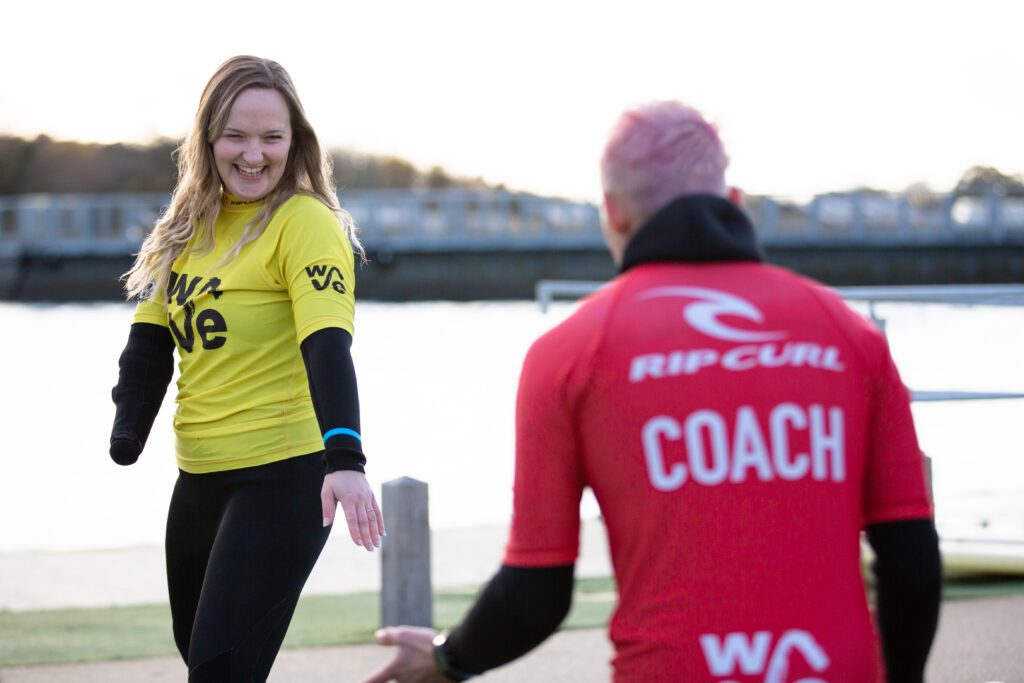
x=243 y=394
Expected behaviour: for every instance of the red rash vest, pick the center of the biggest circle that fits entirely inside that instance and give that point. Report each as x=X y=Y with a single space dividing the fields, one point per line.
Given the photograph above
x=739 y=426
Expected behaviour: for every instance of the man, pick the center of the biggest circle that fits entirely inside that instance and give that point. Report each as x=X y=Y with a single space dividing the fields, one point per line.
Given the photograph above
x=739 y=427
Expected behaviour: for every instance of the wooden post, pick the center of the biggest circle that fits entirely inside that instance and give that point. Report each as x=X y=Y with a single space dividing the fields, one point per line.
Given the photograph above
x=406 y=596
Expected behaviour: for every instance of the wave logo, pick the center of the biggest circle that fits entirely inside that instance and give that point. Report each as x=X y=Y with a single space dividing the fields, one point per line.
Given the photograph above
x=709 y=305
x=738 y=653
x=317 y=271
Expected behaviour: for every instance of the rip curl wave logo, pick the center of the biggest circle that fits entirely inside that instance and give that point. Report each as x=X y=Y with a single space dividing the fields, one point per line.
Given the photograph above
x=749 y=655
x=709 y=305
x=318 y=271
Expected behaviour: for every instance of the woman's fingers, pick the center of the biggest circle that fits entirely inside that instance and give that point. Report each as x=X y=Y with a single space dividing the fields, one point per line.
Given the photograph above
x=328 y=503
x=374 y=522
x=362 y=514
x=379 y=517
x=358 y=518
x=368 y=524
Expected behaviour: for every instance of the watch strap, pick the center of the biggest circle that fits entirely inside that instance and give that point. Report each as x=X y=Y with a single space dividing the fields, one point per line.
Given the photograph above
x=443 y=658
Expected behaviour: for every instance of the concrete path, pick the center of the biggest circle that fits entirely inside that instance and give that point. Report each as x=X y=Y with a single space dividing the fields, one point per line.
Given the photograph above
x=979 y=641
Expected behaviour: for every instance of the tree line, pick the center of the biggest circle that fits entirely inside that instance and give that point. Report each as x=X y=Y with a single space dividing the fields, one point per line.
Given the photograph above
x=985 y=179
x=47 y=165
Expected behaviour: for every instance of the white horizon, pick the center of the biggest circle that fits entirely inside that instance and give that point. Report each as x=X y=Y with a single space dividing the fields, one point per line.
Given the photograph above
x=809 y=98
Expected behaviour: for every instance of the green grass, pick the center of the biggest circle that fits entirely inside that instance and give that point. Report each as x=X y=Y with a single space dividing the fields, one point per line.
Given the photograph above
x=971 y=586
x=80 y=635
x=76 y=635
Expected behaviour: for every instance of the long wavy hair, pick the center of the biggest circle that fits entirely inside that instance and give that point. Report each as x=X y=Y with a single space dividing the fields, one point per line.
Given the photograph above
x=195 y=202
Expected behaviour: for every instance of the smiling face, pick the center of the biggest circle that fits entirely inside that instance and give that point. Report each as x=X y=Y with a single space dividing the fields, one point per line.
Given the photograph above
x=252 y=151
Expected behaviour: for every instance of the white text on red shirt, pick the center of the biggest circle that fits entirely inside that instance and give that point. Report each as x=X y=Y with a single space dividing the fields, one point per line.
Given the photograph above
x=712 y=456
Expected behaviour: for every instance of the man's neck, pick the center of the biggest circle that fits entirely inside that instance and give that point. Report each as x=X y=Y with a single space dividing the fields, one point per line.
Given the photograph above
x=693 y=229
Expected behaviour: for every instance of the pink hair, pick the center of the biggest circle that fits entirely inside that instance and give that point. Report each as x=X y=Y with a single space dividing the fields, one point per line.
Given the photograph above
x=660 y=151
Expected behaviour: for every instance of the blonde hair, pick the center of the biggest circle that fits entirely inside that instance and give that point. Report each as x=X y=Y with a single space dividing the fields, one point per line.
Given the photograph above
x=195 y=202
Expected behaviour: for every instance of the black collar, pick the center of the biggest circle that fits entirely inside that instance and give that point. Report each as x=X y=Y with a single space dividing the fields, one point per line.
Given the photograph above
x=695 y=228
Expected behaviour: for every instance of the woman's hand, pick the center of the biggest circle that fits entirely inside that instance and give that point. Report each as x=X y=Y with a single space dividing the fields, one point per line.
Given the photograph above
x=365 y=521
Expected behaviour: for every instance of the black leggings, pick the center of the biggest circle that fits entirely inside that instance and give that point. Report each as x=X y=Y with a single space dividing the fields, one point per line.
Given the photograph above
x=240 y=546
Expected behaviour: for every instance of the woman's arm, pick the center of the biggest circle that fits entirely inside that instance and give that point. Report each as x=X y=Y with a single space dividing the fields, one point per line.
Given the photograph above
x=332 y=385
x=145 y=369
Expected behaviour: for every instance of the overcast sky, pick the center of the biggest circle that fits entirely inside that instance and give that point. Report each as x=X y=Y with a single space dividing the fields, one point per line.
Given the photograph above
x=809 y=96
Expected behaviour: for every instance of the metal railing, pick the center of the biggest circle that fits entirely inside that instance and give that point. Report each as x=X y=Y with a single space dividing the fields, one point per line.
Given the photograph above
x=429 y=220
x=547 y=291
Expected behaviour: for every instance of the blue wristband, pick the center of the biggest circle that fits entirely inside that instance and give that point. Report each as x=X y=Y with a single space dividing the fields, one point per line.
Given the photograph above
x=339 y=431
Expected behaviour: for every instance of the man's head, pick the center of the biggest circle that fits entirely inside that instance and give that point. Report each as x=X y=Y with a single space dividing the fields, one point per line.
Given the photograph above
x=655 y=153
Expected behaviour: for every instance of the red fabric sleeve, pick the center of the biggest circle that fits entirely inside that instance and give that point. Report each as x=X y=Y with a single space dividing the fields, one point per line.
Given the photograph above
x=895 y=486
x=549 y=479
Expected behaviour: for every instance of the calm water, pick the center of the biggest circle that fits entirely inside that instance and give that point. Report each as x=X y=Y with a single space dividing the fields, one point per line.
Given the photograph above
x=437 y=382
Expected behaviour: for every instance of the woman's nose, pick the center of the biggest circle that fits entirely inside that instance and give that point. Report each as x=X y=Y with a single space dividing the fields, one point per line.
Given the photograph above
x=253 y=153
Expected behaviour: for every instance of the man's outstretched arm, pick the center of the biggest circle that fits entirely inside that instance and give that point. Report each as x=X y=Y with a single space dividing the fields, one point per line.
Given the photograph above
x=516 y=611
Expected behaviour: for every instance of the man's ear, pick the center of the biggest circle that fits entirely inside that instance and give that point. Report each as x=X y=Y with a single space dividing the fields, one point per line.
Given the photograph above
x=618 y=220
x=735 y=195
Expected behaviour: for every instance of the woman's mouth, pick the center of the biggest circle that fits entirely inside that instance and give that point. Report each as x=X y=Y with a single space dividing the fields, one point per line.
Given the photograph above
x=250 y=171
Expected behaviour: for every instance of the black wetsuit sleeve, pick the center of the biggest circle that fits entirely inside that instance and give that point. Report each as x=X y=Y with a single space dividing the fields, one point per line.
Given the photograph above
x=144 y=371
x=327 y=354
x=516 y=611
x=908 y=583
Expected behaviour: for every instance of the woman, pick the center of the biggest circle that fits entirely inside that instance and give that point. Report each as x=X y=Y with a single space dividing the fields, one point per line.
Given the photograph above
x=250 y=275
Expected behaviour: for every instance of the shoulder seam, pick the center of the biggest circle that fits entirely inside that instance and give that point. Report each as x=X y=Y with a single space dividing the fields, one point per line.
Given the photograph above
x=597 y=345
x=816 y=293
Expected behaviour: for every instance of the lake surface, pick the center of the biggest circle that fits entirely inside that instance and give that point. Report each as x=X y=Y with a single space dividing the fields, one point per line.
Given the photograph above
x=437 y=384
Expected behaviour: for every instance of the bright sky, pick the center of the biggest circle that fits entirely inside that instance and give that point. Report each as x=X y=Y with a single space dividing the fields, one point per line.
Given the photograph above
x=809 y=96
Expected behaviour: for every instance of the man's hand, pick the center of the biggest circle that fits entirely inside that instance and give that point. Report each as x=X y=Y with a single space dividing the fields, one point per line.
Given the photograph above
x=414 y=661
x=365 y=521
